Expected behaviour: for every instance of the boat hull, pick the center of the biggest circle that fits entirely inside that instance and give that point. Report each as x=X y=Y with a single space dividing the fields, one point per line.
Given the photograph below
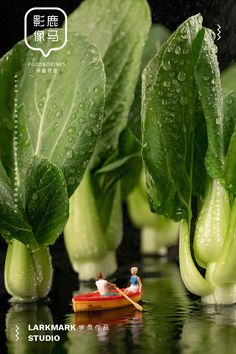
x=100 y=303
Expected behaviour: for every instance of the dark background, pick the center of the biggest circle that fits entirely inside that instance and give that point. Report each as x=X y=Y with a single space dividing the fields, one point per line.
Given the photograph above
x=169 y=13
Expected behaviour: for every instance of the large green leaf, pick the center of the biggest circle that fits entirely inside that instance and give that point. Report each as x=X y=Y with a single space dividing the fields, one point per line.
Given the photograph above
x=207 y=75
x=230 y=165
x=119 y=29
x=12 y=220
x=168 y=108
x=199 y=175
x=230 y=140
x=58 y=115
x=47 y=204
x=158 y=34
x=229 y=117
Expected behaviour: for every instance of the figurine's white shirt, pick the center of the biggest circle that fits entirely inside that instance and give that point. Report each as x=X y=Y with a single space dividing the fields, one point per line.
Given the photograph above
x=102 y=286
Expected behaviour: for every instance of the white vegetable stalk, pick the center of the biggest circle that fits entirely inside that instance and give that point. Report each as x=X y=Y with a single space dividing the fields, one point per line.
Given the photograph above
x=214 y=249
x=157 y=232
x=27 y=275
x=114 y=231
x=89 y=248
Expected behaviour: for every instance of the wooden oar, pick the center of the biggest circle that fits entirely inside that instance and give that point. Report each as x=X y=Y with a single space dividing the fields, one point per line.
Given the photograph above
x=138 y=307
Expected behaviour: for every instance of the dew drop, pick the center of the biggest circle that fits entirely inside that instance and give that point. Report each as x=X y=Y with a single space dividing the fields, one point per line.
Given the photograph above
x=166 y=65
x=88 y=132
x=35 y=196
x=214 y=49
x=213 y=35
x=59 y=113
x=181 y=76
x=166 y=83
x=164 y=102
x=92 y=115
x=69 y=154
x=71 y=130
x=177 y=50
x=183 y=100
x=71 y=181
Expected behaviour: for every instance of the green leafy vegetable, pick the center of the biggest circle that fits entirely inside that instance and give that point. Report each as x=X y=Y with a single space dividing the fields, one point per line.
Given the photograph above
x=168 y=121
x=119 y=29
x=58 y=121
x=47 y=205
x=84 y=238
x=50 y=125
x=157 y=232
x=188 y=120
x=158 y=34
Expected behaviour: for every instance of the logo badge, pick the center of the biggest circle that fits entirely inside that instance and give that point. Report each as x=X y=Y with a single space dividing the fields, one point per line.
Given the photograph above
x=44 y=22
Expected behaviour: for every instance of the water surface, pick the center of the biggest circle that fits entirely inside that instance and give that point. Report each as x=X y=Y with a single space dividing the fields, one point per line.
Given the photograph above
x=172 y=322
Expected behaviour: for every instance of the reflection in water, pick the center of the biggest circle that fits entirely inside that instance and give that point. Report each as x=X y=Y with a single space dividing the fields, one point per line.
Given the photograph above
x=102 y=328
x=18 y=318
x=210 y=330
x=167 y=307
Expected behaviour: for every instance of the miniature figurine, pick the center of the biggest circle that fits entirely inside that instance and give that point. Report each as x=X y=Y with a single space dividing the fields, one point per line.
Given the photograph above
x=93 y=302
x=104 y=287
x=135 y=282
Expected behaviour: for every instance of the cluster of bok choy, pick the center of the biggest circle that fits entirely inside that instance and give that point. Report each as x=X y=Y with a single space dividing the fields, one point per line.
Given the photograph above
x=49 y=127
x=189 y=152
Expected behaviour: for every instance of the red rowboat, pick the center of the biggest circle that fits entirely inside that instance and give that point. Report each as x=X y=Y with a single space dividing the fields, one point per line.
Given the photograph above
x=95 y=302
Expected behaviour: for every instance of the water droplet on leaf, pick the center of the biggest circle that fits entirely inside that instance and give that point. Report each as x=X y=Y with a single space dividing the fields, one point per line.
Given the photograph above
x=166 y=65
x=177 y=50
x=183 y=101
x=181 y=76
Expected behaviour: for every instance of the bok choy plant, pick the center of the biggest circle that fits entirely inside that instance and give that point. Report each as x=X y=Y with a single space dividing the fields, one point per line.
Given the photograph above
x=49 y=127
x=189 y=144
x=157 y=232
x=119 y=29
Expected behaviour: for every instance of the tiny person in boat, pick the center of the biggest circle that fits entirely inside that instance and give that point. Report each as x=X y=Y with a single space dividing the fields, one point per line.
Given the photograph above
x=104 y=287
x=135 y=282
